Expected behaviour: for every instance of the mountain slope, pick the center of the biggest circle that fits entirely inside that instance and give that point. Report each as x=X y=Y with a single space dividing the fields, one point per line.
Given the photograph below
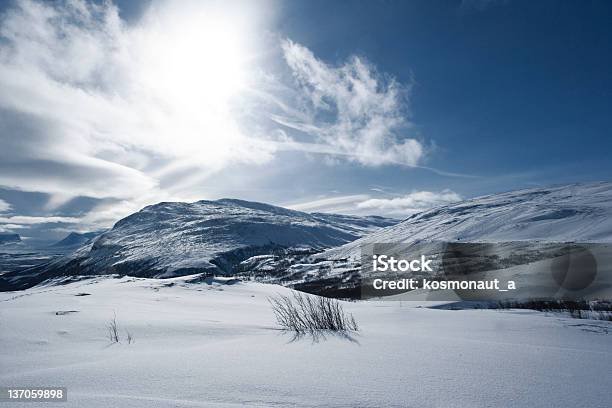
x=228 y=236
x=568 y=213
x=76 y=239
x=174 y=238
x=526 y=226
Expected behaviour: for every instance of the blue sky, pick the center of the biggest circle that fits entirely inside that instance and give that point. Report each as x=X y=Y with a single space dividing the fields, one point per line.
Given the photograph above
x=505 y=88
x=357 y=107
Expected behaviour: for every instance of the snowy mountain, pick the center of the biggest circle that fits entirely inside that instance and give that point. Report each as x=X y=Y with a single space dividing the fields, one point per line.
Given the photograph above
x=523 y=226
x=281 y=245
x=76 y=239
x=175 y=238
x=568 y=213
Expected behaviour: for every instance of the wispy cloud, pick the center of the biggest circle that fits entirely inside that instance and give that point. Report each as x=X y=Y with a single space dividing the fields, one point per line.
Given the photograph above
x=90 y=106
x=364 y=204
x=341 y=204
x=131 y=114
x=55 y=102
x=351 y=110
x=409 y=203
x=28 y=220
x=4 y=206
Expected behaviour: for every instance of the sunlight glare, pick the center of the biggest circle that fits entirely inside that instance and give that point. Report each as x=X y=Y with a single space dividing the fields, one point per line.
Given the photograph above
x=192 y=66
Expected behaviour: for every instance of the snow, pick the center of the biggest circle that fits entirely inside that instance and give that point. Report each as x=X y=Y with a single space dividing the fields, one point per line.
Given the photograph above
x=217 y=344
x=173 y=239
x=568 y=213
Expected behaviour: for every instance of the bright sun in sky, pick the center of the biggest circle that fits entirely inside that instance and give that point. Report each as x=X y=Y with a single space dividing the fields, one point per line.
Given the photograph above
x=190 y=66
x=195 y=60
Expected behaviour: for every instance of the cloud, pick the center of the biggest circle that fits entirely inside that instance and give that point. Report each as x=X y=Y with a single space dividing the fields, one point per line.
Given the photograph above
x=10 y=227
x=409 y=203
x=29 y=220
x=53 y=109
x=90 y=106
x=363 y=204
x=4 y=206
x=351 y=110
x=332 y=204
x=132 y=114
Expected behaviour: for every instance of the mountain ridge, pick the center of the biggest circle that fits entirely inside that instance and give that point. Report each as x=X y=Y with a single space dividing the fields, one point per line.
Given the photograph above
x=578 y=212
x=176 y=238
x=75 y=239
x=230 y=235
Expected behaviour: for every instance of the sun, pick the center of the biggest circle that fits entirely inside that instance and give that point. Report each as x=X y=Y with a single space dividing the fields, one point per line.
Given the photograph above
x=194 y=58
x=191 y=65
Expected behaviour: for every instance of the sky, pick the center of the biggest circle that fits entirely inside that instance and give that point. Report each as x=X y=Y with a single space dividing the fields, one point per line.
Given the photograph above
x=357 y=107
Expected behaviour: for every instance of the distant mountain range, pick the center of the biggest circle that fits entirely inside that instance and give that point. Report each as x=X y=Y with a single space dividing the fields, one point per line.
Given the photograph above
x=233 y=236
x=76 y=239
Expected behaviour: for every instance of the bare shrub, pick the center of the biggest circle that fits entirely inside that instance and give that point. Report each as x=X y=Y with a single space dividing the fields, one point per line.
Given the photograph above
x=129 y=337
x=305 y=313
x=113 y=329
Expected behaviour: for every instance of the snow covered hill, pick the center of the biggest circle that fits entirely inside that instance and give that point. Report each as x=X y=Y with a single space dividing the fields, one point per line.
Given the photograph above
x=568 y=213
x=229 y=236
x=175 y=238
x=526 y=226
